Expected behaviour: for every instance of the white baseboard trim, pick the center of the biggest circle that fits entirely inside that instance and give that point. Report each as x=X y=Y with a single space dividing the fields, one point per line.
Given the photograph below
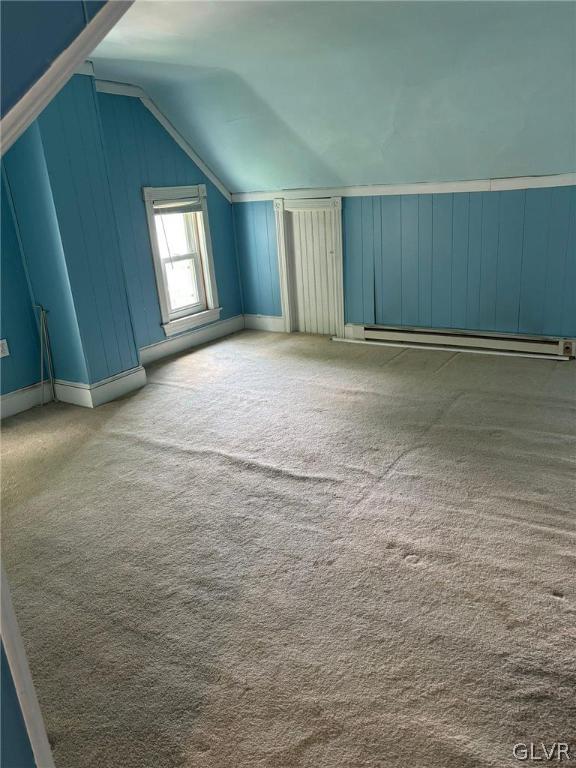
x=191 y=339
x=93 y=395
x=353 y=331
x=25 y=398
x=27 y=109
x=265 y=323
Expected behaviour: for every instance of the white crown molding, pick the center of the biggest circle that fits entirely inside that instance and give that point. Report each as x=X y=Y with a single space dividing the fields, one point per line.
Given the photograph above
x=311 y=193
x=119 y=89
x=16 y=655
x=423 y=188
x=27 y=109
x=22 y=399
x=103 y=391
x=533 y=182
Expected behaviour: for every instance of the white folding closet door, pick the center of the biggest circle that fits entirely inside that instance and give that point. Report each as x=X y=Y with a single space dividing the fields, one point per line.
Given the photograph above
x=314 y=261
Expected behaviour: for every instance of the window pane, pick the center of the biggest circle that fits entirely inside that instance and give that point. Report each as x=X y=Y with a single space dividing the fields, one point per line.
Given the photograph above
x=174 y=234
x=181 y=283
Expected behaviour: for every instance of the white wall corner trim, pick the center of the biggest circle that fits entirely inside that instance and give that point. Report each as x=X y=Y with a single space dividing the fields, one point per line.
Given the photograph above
x=14 y=647
x=27 y=109
x=286 y=287
x=22 y=399
x=273 y=323
x=420 y=188
x=191 y=339
x=93 y=395
x=183 y=144
x=119 y=89
x=86 y=68
x=125 y=89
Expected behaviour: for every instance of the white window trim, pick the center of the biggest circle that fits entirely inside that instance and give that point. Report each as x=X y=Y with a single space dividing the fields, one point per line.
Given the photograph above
x=213 y=309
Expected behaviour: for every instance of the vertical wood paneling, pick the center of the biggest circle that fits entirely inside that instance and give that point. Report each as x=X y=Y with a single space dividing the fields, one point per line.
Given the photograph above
x=334 y=297
x=260 y=245
x=510 y=242
x=321 y=273
x=441 y=260
x=425 y=259
x=459 y=277
x=255 y=230
x=141 y=154
x=298 y=235
x=17 y=322
x=491 y=261
x=353 y=273
x=310 y=302
x=313 y=256
x=73 y=145
x=409 y=246
x=389 y=291
x=533 y=282
x=556 y=254
x=474 y=260
x=569 y=293
x=37 y=223
x=273 y=268
x=367 y=224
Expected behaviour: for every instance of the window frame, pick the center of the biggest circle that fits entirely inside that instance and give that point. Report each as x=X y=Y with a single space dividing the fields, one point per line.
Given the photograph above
x=176 y=322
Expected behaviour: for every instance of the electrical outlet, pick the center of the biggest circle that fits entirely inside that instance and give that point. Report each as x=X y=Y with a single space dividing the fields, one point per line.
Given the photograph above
x=4 y=351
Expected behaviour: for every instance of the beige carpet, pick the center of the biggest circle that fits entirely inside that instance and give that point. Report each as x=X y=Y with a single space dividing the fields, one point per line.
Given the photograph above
x=286 y=551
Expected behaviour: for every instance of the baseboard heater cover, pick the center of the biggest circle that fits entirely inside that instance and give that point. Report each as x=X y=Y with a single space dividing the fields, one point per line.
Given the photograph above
x=511 y=343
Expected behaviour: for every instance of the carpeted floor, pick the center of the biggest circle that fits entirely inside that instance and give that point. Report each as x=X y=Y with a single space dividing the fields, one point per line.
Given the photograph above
x=287 y=552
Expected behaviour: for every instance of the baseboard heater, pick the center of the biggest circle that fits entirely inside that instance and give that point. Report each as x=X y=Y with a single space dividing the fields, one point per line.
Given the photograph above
x=541 y=346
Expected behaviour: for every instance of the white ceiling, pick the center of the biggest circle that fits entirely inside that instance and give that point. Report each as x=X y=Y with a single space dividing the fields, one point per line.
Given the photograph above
x=300 y=94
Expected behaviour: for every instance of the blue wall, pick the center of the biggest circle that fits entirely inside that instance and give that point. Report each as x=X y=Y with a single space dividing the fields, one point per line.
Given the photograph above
x=17 y=322
x=58 y=177
x=78 y=172
x=29 y=186
x=15 y=751
x=75 y=178
x=142 y=154
x=255 y=228
x=492 y=261
x=34 y=33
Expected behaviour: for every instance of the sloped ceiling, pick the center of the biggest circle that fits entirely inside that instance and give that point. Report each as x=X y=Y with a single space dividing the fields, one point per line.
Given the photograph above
x=280 y=95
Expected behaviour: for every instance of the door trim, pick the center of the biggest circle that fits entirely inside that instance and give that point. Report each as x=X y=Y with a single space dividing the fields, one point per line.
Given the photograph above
x=25 y=691
x=284 y=273
x=287 y=286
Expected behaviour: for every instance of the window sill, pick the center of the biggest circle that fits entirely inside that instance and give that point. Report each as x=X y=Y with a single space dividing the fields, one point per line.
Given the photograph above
x=191 y=321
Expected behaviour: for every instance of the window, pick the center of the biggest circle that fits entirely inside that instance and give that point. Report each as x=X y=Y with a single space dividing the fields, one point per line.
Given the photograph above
x=180 y=235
